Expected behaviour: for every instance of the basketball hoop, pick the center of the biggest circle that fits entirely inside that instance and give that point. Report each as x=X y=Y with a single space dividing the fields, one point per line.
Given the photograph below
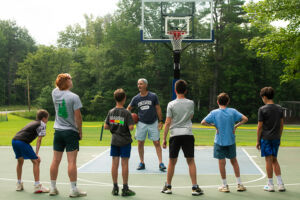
x=176 y=37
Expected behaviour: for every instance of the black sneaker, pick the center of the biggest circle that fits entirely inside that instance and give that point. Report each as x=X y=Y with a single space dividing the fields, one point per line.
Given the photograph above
x=167 y=189
x=162 y=167
x=196 y=191
x=127 y=192
x=115 y=191
x=141 y=166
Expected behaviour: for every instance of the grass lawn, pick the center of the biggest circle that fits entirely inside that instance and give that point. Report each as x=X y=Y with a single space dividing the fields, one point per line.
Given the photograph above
x=245 y=135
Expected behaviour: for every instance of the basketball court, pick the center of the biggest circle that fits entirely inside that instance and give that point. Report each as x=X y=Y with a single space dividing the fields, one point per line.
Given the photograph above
x=94 y=175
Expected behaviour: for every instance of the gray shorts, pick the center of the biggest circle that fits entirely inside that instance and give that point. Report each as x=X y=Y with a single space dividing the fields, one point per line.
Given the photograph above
x=142 y=129
x=222 y=152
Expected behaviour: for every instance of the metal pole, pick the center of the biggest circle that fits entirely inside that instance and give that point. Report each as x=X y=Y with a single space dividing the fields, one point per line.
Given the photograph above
x=176 y=56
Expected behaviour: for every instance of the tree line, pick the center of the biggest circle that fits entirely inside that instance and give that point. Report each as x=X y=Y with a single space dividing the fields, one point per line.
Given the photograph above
x=107 y=54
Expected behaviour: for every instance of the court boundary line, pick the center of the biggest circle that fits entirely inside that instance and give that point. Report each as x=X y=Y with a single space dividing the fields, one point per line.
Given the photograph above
x=92 y=160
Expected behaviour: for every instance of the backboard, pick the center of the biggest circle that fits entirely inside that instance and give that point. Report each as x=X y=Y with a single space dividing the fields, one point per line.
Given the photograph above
x=194 y=17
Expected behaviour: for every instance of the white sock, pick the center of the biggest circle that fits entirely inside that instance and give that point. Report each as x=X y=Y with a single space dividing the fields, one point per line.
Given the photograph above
x=279 y=180
x=19 y=181
x=73 y=185
x=36 y=183
x=238 y=180
x=224 y=181
x=270 y=181
x=53 y=183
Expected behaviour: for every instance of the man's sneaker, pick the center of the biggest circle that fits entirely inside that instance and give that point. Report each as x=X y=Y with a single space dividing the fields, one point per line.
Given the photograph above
x=77 y=193
x=115 y=191
x=240 y=188
x=196 y=191
x=162 y=167
x=167 y=189
x=19 y=187
x=127 y=192
x=53 y=191
x=224 y=188
x=281 y=188
x=141 y=166
x=40 y=189
x=269 y=188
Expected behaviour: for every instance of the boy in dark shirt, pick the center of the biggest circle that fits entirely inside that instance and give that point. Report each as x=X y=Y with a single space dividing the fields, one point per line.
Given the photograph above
x=120 y=123
x=23 y=149
x=269 y=131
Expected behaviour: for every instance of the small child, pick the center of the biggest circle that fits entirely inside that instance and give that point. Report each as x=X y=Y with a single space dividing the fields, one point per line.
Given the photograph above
x=23 y=149
x=269 y=132
x=224 y=119
x=120 y=123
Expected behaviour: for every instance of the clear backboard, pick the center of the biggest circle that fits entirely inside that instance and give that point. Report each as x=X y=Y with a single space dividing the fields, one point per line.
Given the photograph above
x=193 y=17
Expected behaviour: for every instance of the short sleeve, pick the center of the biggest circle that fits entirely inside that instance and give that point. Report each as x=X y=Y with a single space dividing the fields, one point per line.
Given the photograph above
x=133 y=102
x=77 y=103
x=107 y=119
x=41 y=130
x=260 y=115
x=155 y=100
x=129 y=119
x=237 y=116
x=169 y=111
x=209 y=118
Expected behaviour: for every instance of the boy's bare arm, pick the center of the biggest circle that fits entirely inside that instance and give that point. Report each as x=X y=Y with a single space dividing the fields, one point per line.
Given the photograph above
x=106 y=126
x=166 y=130
x=38 y=145
x=259 y=130
x=243 y=121
x=131 y=127
x=78 y=121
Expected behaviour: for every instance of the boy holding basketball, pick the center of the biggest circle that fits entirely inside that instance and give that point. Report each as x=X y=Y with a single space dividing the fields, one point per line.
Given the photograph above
x=23 y=150
x=224 y=119
x=269 y=132
x=120 y=123
x=179 y=114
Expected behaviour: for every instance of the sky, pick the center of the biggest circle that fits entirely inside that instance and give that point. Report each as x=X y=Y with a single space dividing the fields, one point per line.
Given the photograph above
x=45 y=18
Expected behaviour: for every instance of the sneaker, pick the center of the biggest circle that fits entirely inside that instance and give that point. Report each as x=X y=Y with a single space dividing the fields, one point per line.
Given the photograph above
x=19 y=187
x=240 y=188
x=53 y=192
x=162 y=167
x=115 y=191
x=224 y=188
x=167 y=189
x=196 y=191
x=269 y=188
x=141 y=166
x=40 y=189
x=281 y=188
x=127 y=192
x=77 y=193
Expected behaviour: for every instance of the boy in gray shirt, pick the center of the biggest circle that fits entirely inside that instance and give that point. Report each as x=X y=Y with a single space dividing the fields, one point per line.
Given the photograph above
x=179 y=114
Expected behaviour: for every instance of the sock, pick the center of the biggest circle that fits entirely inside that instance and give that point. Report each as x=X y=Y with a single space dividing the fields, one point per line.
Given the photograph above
x=279 y=180
x=36 y=183
x=238 y=180
x=195 y=186
x=73 y=185
x=19 y=181
x=116 y=185
x=167 y=184
x=125 y=186
x=224 y=181
x=53 y=183
x=270 y=181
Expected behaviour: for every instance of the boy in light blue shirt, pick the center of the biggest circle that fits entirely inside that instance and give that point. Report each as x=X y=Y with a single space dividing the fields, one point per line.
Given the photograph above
x=224 y=119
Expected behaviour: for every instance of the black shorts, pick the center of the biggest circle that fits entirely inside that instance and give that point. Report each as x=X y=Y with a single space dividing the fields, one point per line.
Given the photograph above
x=186 y=142
x=67 y=139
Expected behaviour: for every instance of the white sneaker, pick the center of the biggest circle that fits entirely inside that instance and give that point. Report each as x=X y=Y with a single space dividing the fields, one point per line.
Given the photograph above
x=269 y=188
x=53 y=191
x=240 y=188
x=281 y=188
x=40 y=189
x=19 y=186
x=224 y=188
x=77 y=193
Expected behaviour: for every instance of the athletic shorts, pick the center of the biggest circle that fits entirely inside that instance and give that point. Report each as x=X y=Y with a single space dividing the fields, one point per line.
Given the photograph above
x=65 y=139
x=269 y=147
x=222 y=152
x=123 y=152
x=186 y=142
x=22 y=149
x=142 y=129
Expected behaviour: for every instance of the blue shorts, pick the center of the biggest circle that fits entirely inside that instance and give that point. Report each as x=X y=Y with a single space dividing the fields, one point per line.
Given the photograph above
x=22 y=149
x=142 y=129
x=269 y=147
x=123 y=152
x=222 y=152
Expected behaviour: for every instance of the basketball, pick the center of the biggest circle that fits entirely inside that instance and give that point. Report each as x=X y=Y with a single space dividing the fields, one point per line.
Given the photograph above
x=135 y=117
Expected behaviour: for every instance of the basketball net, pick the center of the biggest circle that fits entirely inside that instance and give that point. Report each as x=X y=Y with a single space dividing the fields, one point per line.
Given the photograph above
x=176 y=37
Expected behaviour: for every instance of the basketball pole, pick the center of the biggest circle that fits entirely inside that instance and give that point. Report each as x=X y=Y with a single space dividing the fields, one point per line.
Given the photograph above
x=176 y=56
